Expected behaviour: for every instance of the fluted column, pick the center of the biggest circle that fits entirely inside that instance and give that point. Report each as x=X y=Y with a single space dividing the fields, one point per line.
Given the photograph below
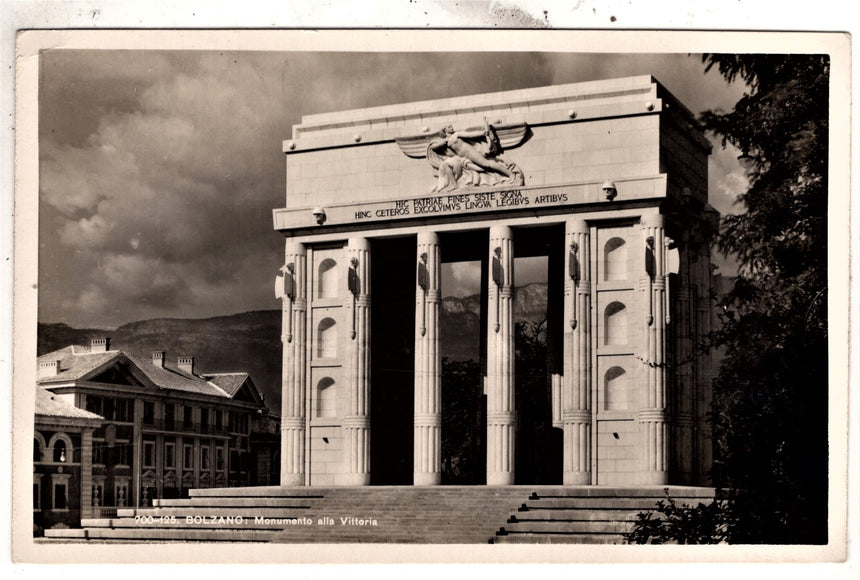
x=427 y=458
x=293 y=331
x=576 y=392
x=501 y=417
x=356 y=422
x=653 y=415
x=684 y=348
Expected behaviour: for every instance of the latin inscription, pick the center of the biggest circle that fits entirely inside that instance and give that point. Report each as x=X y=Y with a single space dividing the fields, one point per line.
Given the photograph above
x=461 y=202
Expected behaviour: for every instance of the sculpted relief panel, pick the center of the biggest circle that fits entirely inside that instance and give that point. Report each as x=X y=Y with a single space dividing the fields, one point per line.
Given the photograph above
x=469 y=158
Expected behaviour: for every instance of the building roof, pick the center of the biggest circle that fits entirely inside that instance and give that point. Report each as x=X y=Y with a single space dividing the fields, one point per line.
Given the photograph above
x=78 y=363
x=171 y=377
x=229 y=382
x=49 y=405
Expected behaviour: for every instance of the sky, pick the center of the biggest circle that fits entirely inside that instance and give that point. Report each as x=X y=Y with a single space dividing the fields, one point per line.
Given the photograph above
x=159 y=169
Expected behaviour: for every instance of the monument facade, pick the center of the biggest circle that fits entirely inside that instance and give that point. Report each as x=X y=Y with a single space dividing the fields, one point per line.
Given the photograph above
x=606 y=182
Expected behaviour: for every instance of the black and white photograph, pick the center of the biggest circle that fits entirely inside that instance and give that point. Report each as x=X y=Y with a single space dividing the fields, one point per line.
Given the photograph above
x=466 y=291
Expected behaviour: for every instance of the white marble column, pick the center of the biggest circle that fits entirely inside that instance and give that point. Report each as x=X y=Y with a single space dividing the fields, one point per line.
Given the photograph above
x=427 y=458
x=293 y=328
x=576 y=392
x=501 y=416
x=356 y=422
x=653 y=415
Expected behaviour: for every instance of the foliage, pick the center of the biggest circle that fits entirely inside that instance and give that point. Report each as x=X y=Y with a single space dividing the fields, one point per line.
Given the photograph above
x=769 y=412
x=700 y=524
x=461 y=416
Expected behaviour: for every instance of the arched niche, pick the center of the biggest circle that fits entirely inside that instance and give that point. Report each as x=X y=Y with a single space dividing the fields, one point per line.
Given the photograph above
x=60 y=448
x=326 y=398
x=615 y=389
x=39 y=446
x=615 y=259
x=615 y=324
x=327 y=338
x=327 y=279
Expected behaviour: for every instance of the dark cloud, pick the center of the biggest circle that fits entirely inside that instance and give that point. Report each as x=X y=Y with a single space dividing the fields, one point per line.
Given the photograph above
x=159 y=169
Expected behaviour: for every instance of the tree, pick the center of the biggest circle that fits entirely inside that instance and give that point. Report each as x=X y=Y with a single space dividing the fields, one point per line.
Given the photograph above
x=769 y=412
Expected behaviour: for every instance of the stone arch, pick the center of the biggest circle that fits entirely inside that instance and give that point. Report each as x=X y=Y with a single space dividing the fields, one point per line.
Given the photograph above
x=615 y=323
x=60 y=447
x=327 y=279
x=39 y=447
x=327 y=338
x=326 y=398
x=615 y=259
x=615 y=389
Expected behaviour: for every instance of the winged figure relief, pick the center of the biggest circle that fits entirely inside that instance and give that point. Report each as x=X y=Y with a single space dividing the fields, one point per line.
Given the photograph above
x=469 y=158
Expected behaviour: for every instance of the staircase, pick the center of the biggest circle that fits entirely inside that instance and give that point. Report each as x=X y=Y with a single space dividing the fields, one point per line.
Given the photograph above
x=419 y=515
x=589 y=515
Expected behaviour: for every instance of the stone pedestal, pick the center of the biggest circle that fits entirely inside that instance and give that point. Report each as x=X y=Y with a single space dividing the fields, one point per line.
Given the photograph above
x=576 y=391
x=294 y=326
x=501 y=417
x=428 y=364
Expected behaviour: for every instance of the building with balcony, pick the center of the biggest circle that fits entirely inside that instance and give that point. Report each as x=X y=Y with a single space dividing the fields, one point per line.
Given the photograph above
x=157 y=427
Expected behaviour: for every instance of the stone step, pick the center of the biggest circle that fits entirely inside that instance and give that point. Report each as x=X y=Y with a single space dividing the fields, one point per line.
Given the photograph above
x=431 y=515
x=162 y=534
x=578 y=514
x=286 y=501
x=562 y=527
x=182 y=523
x=560 y=539
x=615 y=503
x=245 y=512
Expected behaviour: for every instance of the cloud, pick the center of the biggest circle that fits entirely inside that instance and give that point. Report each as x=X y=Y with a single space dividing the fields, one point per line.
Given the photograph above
x=160 y=169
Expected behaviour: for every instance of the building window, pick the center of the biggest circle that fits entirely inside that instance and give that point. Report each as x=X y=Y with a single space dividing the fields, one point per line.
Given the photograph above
x=187 y=417
x=219 y=422
x=615 y=259
x=37 y=491
x=149 y=453
x=219 y=458
x=615 y=324
x=121 y=453
x=60 y=492
x=327 y=339
x=204 y=457
x=169 y=415
x=149 y=413
x=170 y=456
x=188 y=457
x=122 y=410
x=98 y=452
x=326 y=398
x=95 y=404
x=204 y=420
x=327 y=279
x=37 y=450
x=615 y=390
x=230 y=421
